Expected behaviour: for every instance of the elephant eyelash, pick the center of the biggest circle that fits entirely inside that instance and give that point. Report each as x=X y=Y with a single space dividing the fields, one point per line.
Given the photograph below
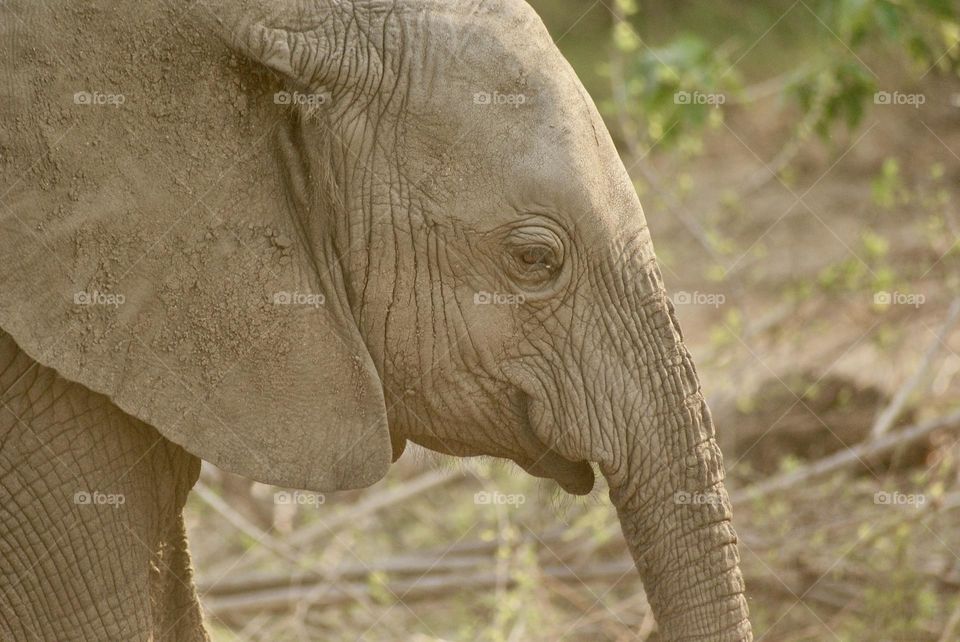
x=533 y=265
x=534 y=256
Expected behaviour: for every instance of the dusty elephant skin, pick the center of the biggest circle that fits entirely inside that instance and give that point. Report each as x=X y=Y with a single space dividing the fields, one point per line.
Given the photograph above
x=290 y=237
x=81 y=481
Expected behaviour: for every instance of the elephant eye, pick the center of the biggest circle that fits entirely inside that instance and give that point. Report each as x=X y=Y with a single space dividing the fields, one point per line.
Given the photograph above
x=534 y=265
x=536 y=257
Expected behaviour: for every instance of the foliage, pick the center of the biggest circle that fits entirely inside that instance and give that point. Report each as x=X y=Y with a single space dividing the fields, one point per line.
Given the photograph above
x=667 y=92
x=833 y=84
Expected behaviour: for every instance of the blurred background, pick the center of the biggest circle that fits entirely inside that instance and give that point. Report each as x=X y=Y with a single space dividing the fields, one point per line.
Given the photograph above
x=798 y=165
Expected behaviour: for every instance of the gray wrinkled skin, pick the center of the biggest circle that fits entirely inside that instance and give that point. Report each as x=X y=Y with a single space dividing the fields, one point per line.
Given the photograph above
x=441 y=178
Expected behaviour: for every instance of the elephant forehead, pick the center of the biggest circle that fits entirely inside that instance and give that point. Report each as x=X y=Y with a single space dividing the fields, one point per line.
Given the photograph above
x=571 y=168
x=535 y=129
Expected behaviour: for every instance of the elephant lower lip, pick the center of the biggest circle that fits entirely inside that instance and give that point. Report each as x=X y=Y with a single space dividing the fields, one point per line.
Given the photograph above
x=575 y=477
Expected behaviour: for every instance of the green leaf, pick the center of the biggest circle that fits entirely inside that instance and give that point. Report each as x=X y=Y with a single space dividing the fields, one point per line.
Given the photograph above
x=888 y=17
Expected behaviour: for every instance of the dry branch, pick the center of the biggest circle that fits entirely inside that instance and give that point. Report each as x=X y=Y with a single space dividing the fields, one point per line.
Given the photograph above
x=372 y=503
x=846 y=458
x=889 y=414
x=407 y=590
x=238 y=521
x=396 y=566
x=462 y=556
x=387 y=498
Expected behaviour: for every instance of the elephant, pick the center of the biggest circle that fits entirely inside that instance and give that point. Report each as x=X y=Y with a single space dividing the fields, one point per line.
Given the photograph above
x=289 y=237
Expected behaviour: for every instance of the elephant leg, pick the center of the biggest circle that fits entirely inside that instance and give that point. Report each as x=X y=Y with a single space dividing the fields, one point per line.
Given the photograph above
x=92 y=544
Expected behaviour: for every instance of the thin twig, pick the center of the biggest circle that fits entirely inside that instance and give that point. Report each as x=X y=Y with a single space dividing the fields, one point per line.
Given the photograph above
x=238 y=521
x=953 y=624
x=425 y=587
x=369 y=505
x=846 y=458
x=890 y=414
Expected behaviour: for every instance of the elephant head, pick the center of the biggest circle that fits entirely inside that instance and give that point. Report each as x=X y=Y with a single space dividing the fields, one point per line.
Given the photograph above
x=409 y=223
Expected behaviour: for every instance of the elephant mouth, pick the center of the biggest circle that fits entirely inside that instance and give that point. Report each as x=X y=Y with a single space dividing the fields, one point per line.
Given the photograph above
x=575 y=477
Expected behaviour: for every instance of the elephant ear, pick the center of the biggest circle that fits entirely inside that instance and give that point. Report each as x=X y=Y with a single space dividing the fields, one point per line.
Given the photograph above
x=162 y=243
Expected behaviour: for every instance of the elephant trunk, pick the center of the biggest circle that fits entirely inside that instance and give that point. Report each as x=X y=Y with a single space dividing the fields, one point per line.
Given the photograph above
x=678 y=528
x=667 y=485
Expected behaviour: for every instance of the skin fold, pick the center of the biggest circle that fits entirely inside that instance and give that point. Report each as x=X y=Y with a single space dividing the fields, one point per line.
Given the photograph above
x=336 y=227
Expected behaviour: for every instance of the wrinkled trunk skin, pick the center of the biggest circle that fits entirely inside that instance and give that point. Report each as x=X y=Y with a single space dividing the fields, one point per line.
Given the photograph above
x=684 y=546
x=667 y=485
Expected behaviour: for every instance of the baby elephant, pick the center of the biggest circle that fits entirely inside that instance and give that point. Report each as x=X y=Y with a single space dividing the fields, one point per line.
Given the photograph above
x=290 y=236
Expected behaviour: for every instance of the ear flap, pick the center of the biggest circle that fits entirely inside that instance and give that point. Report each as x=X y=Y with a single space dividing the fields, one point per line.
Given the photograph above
x=151 y=251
